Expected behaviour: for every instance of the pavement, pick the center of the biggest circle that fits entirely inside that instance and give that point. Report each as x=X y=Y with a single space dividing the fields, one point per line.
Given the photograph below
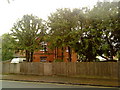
x=63 y=80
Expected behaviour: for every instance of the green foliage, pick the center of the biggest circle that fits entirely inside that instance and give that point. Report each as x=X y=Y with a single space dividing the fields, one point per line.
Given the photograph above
x=63 y=24
x=7 y=47
x=90 y=33
x=29 y=32
x=58 y=60
x=100 y=33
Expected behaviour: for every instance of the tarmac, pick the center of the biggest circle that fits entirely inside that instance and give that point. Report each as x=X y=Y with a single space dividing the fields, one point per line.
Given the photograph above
x=62 y=80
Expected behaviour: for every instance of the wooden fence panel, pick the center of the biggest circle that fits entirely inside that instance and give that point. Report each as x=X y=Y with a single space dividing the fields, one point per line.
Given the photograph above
x=5 y=68
x=47 y=69
x=28 y=68
x=97 y=69
x=64 y=70
x=82 y=69
x=118 y=67
x=40 y=69
x=71 y=67
x=91 y=69
x=14 y=68
x=53 y=69
x=114 y=70
x=34 y=68
x=24 y=68
x=56 y=68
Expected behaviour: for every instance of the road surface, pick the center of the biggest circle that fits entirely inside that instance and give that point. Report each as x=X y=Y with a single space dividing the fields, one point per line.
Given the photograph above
x=21 y=84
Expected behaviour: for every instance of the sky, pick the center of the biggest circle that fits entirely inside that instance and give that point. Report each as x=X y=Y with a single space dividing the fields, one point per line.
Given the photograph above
x=9 y=13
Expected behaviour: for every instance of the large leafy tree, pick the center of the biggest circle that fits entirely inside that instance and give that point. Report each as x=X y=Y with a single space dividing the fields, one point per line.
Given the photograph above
x=29 y=32
x=62 y=23
x=107 y=24
x=8 y=46
x=88 y=38
x=100 y=32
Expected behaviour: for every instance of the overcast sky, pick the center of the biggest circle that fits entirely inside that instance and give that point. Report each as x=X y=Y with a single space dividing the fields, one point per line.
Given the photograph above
x=9 y=13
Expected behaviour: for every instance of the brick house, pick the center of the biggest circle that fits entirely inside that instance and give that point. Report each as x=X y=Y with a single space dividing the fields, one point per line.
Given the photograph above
x=48 y=55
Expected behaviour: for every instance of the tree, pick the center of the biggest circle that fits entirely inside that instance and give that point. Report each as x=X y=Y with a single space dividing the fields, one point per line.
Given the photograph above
x=61 y=24
x=29 y=32
x=107 y=24
x=99 y=33
x=7 y=47
x=87 y=37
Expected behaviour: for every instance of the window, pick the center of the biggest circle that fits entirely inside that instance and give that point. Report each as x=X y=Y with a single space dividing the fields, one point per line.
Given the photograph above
x=43 y=59
x=44 y=46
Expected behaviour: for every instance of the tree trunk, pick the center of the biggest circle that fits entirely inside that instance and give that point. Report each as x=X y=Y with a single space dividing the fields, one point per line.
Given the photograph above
x=31 y=56
x=62 y=53
x=55 y=53
x=69 y=54
x=111 y=53
x=27 y=55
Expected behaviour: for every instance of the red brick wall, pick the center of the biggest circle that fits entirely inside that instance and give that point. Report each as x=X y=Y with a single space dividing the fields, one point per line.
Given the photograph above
x=54 y=54
x=49 y=54
x=73 y=56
